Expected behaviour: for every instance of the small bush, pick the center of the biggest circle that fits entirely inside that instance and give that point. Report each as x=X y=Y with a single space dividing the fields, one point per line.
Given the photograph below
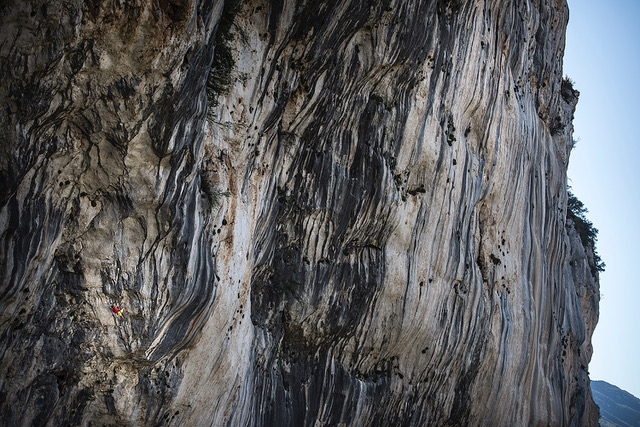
x=576 y=211
x=220 y=76
x=567 y=91
x=212 y=192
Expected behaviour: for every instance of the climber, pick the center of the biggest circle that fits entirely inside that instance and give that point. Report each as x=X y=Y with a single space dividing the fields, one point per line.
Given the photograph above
x=116 y=310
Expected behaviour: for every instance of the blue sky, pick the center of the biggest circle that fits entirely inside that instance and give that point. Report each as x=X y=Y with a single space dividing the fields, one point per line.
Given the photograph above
x=602 y=57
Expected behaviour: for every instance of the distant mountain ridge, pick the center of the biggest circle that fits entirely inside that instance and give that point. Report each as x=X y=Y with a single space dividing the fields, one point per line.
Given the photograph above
x=617 y=407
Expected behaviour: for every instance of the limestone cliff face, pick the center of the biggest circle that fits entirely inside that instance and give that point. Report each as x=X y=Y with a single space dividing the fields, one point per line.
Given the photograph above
x=367 y=227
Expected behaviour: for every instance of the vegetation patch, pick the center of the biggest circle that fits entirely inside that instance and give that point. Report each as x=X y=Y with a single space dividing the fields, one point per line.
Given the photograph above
x=213 y=193
x=588 y=233
x=568 y=93
x=220 y=75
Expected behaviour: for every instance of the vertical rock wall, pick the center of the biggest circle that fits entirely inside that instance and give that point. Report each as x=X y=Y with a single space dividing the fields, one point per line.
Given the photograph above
x=368 y=229
x=101 y=144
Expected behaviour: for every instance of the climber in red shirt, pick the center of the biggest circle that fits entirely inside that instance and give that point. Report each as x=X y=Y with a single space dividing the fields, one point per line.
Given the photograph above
x=116 y=310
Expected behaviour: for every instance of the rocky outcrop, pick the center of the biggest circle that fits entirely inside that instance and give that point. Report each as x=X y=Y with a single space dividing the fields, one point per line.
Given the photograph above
x=362 y=223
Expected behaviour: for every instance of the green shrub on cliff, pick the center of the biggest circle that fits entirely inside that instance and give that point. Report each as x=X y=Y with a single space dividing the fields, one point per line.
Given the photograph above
x=220 y=75
x=576 y=211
